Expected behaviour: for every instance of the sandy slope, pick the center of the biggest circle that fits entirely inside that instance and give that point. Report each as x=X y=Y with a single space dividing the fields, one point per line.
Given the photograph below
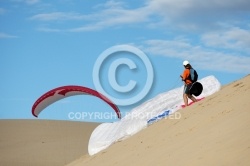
x=214 y=131
x=42 y=142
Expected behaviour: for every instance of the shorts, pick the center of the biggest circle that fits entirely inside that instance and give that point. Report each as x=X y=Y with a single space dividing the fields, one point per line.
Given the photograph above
x=187 y=88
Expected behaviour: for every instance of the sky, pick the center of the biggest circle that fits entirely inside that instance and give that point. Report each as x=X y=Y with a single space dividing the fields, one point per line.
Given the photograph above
x=128 y=47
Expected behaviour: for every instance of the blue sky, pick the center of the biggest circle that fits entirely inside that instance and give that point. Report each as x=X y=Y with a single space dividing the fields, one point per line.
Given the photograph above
x=45 y=44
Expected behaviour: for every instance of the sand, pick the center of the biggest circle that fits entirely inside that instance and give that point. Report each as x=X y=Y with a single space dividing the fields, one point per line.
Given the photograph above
x=214 y=131
x=42 y=142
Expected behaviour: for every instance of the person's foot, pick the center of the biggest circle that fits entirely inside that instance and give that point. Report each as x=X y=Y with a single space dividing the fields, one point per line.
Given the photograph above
x=183 y=106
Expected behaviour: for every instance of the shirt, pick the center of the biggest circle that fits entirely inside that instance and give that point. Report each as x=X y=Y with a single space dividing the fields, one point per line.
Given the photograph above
x=185 y=76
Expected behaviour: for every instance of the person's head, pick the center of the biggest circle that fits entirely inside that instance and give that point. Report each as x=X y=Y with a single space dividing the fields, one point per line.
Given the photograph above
x=186 y=64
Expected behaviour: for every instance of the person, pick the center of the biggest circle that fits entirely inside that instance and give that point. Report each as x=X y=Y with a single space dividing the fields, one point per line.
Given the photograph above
x=186 y=77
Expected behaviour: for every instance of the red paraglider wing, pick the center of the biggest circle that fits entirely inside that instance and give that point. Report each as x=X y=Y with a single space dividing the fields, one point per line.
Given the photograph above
x=67 y=91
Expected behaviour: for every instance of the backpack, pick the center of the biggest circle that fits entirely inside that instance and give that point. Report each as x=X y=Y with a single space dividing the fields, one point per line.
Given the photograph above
x=193 y=75
x=196 y=89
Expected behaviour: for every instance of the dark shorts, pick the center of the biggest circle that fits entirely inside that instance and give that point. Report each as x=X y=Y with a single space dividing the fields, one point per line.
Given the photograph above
x=187 y=88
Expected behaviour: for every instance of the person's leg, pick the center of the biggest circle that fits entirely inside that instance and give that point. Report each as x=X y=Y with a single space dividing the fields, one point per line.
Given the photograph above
x=192 y=98
x=185 y=98
x=188 y=93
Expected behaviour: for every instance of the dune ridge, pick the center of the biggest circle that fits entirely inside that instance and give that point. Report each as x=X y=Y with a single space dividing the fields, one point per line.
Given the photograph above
x=214 y=131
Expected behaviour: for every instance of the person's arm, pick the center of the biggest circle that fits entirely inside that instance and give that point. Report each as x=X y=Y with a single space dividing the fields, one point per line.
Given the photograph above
x=182 y=78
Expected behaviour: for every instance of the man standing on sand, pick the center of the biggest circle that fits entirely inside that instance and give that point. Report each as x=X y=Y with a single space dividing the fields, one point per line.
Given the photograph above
x=186 y=77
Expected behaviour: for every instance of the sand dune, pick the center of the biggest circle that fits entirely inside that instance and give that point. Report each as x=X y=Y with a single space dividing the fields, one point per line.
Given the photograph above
x=214 y=131
x=42 y=142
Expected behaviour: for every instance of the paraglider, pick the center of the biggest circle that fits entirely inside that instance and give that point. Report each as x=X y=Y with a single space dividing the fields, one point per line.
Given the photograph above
x=66 y=91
